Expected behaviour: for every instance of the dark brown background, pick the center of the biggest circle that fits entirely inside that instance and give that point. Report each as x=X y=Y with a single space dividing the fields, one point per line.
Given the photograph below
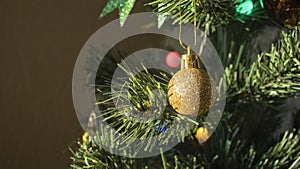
x=40 y=41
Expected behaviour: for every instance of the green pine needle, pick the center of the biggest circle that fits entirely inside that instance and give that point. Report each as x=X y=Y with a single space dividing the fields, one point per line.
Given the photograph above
x=274 y=75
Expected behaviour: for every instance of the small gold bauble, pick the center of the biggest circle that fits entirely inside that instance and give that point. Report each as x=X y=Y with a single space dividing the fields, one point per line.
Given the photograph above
x=85 y=137
x=190 y=92
x=202 y=134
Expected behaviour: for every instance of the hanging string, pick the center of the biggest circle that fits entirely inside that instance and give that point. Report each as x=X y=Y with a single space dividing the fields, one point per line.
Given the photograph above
x=195 y=30
x=180 y=25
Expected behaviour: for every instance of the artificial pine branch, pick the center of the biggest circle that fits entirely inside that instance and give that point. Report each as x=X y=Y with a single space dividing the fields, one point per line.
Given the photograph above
x=285 y=154
x=209 y=13
x=140 y=94
x=91 y=156
x=220 y=150
x=274 y=75
x=223 y=150
x=228 y=150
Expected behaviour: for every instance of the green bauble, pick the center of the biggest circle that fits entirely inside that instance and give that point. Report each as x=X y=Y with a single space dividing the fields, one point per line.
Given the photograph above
x=285 y=12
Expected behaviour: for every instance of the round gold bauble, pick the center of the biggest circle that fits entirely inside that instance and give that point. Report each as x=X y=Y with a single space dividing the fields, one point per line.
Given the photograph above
x=189 y=92
x=286 y=12
x=202 y=134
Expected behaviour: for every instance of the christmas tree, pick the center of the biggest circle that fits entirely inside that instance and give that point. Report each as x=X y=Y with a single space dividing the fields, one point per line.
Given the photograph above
x=259 y=125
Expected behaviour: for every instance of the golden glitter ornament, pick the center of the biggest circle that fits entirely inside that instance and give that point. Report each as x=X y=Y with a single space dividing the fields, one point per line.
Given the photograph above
x=189 y=90
x=202 y=134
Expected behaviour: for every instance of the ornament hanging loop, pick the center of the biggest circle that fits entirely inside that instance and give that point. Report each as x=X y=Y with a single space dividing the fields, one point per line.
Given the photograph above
x=189 y=60
x=180 y=24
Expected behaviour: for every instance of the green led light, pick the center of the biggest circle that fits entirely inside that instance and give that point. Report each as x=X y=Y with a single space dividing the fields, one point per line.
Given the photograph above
x=261 y=3
x=245 y=8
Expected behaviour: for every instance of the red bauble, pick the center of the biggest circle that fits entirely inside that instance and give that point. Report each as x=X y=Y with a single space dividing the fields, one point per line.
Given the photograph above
x=173 y=59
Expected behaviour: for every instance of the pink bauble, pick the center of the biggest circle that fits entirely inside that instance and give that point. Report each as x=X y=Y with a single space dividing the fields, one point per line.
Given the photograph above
x=173 y=59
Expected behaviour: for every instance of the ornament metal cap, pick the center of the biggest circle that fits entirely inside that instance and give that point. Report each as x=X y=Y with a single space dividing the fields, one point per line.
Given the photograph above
x=189 y=60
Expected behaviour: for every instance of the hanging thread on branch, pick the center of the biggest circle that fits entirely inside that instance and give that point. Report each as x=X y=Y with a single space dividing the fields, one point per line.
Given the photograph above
x=194 y=22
